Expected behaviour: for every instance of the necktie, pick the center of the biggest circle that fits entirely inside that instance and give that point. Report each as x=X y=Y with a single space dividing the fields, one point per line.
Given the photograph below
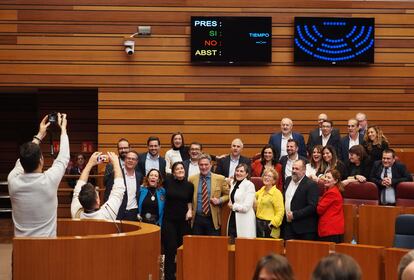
x=385 y=172
x=384 y=191
x=204 y=196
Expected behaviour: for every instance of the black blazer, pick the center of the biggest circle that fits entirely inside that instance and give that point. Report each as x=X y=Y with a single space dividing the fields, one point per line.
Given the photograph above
x=142 y=158
x=283 y=161
x=343 y=155
x=398 y=170
x=108 y=189
x=223 y=165
x=314 y=136
x=303 y=206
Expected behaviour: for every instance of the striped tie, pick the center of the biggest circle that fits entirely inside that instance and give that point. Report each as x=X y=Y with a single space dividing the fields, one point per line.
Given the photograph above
x=204 y=199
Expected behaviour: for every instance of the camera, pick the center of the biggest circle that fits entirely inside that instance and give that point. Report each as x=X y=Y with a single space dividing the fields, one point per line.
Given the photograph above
x=52 y=118
x=102 y=158
x=129 y=47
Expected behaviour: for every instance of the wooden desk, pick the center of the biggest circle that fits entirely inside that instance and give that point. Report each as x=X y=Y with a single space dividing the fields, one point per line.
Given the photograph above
x=89 y=249
x=376 y=224
x=249 y=251
x=350 y=215
x=206 y=257
x=391 y=261
x=368 y=257
x=304 y=255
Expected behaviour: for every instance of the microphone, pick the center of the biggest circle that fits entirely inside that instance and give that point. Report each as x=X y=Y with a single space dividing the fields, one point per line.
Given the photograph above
x=113 y=220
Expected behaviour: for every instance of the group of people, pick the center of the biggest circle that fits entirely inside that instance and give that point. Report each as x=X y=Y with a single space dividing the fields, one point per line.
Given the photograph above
x=182 y=193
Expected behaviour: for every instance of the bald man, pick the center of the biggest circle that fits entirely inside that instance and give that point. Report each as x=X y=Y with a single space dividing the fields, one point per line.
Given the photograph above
x=315 y=134
x=279 y=140
x=227 y=165
x=362 y=123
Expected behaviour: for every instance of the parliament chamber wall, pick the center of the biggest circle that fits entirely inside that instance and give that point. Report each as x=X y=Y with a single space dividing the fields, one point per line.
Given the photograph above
x=77 y=45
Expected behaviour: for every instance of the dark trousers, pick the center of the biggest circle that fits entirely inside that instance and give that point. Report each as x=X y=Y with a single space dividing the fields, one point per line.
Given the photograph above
x=262 y=228
x=130 y=215
x=203 y=225
x=339 y=238
x=172 y=233
x=289 y=233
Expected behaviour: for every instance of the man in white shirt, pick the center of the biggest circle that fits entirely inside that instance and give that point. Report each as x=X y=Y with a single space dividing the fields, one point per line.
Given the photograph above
x=132 y=181
x=152 y=159
x=227 y=165
x=351 y=139
x=86 y=202
x=301 y=196
x=191 y=164
x=288 y=160
x=33 y=193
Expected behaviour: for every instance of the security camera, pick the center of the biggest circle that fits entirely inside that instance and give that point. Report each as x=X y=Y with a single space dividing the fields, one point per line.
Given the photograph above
x=129 y=47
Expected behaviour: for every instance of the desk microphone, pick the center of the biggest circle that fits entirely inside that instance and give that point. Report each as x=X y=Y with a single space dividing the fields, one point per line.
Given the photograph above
x=113 y=220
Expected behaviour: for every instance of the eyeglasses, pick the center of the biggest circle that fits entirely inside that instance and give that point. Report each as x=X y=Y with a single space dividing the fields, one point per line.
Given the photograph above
x=131 y=158
x=195 y=149
x=123 y=148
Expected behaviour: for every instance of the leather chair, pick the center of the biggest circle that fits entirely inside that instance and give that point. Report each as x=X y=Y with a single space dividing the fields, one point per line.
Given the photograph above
x=404 y=231
x=258 y=182
x=405 y=194
x=361 y=193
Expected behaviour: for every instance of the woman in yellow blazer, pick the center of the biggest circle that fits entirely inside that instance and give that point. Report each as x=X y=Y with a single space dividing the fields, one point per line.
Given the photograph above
x=269 y=206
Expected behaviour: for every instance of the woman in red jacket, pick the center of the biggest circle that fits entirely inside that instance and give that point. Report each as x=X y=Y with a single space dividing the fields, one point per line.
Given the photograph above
x=330 y=209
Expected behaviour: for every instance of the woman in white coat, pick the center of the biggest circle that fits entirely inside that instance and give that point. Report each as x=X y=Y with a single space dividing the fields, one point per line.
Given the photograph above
x=242 y=220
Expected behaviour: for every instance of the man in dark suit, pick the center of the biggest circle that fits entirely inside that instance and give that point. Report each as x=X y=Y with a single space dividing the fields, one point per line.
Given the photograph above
x=362 y=123
x=351 y=139
x=152 y=158
x=191 y=165
x=123 y=148
x=288 y=160
x=387 y=174
x=227 y=165
x=301 y=196
x=132 y=179
x=314 y=135
x=279 y=140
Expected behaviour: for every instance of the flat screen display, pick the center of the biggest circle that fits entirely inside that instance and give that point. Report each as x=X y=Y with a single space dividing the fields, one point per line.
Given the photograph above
x=231 y=40
x=334 y=40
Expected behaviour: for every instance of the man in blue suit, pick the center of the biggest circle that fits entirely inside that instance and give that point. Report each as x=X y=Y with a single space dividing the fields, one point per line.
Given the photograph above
x=279 y=140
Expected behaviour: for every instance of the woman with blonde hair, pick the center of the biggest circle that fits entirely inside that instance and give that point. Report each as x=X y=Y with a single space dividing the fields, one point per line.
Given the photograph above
x=375 y=143
x=269 y=206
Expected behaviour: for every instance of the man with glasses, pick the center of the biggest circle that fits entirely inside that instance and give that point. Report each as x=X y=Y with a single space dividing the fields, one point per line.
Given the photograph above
x=362 y=123
x=132 y=179
x=351 y=139
x=314 y=134
x=191 y=164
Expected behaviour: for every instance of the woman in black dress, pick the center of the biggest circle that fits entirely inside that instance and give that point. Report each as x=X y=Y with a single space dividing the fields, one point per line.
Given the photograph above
x=375 y=143
x=177 y=215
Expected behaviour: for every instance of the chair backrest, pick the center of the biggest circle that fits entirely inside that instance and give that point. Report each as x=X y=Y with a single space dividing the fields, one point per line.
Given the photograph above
x=321 y=187
x=405 y=194
x=258 y=182
x=361 y=193
x=404 y=231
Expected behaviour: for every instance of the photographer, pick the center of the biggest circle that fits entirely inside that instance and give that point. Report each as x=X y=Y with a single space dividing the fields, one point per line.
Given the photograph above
x=86 y=201
x=33 y=193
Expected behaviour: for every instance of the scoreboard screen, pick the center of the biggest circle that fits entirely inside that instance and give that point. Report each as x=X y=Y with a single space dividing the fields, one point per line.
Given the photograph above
x=331 y=41
x=231 y=40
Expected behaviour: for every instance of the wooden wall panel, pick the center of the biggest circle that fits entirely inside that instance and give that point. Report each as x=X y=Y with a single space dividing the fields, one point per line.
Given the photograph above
x=79 y=44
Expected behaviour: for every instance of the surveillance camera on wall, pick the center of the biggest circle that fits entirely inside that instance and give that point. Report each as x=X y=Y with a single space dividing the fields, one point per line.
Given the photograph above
x=129 y=47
